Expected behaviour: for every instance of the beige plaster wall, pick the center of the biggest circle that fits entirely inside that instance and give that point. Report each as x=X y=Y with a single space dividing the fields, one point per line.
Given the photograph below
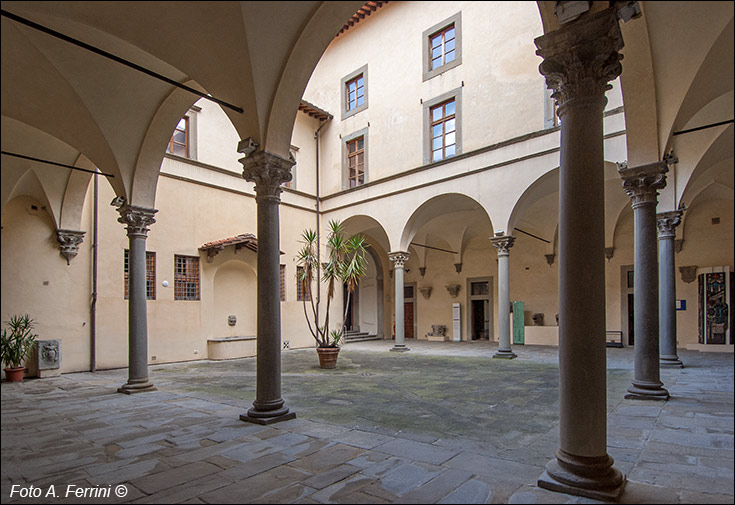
x=503 y=93
x=36 y=280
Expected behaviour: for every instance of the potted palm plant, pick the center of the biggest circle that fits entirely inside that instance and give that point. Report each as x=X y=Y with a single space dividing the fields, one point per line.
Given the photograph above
x=346 y=263
x=16 y=345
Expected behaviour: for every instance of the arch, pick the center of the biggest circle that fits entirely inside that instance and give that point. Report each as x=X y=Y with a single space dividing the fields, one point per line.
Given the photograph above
x=711 y=162
x=445 y=207
x=542 y=189
x=367 y=225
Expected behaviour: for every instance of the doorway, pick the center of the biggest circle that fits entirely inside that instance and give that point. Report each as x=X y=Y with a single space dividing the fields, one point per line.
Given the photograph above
x=409 y=310
x=480 y=314
x=627 y=304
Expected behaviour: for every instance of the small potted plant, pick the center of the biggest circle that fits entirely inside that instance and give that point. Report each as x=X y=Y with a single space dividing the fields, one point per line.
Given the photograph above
x=16 y=345
x=346 y=263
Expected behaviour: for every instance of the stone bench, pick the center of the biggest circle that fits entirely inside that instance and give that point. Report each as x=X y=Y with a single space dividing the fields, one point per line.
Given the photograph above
x=231 y=347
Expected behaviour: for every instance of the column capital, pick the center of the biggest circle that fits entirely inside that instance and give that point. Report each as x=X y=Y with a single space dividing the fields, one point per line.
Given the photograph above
x=642 y=183
x=137 y=219
x=666 y=222
x=69 y=241
x=399 y=258
x=581 y=58
x=268 y=171
x=502 y=243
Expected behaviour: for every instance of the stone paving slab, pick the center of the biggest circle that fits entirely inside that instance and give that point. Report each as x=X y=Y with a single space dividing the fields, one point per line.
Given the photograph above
x=443 y=423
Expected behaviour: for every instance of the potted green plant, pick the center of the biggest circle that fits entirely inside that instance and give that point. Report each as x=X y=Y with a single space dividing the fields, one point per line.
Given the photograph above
x=16 y=345
x=346 y=263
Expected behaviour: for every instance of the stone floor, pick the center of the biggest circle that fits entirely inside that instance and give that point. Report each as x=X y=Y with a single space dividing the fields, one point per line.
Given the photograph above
x=442 y=423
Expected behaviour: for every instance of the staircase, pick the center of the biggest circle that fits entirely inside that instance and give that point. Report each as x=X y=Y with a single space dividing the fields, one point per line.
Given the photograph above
x=358 y=336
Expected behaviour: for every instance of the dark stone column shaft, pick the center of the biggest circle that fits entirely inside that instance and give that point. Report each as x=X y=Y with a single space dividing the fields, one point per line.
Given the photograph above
x=137 y=220
x=641 y=184
x=580 y=59
x=399 y=260
x=503 y=243
x=268 y=171
x=667 y=222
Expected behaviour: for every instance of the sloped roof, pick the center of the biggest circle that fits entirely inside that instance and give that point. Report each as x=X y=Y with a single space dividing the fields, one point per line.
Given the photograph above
x=362 y=13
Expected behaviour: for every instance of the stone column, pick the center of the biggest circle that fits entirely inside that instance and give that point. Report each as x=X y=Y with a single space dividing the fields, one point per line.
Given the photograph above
x=667 y=223
x=503 y=243
x=137 y=219
x=641 y=185
x=399 y=260
x=268 y=171
x=580 y=58
x=69 y=241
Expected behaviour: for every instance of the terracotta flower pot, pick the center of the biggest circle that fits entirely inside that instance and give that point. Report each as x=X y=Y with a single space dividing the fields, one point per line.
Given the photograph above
x=327 y=356
x=14 y=374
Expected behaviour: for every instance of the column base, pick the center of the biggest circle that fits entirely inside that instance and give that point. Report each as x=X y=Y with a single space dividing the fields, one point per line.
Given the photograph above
x=399 y=348
x=640 y=390
x=594 y=478
x=670 y=362
x=136 y=387
x=267 y=416
x=505 y=354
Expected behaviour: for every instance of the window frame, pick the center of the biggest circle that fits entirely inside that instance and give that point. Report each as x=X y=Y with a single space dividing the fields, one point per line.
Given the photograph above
x=186 y=278
x=345 y=157
x=427 y=35
x=283 y=283
x=428 y=105
x=344 y=91
x=150 y=275
x=187 y=142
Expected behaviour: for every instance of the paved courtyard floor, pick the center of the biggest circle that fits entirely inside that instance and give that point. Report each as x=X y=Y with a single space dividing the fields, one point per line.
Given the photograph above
x=443 y=423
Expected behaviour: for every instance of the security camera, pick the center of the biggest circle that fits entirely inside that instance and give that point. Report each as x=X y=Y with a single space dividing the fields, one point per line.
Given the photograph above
x=247 y=146
x=118 y=201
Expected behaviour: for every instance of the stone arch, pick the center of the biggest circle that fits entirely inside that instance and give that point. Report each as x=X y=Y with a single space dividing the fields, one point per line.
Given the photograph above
x=442 y=206
x=543 y=192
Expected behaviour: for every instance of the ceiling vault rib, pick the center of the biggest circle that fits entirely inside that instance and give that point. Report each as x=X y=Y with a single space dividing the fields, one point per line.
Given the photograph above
x=117 y=59
x=54 y=163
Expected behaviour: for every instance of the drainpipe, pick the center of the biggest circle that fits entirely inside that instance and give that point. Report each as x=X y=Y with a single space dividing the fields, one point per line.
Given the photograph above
x=93 y=307
x=318 y=213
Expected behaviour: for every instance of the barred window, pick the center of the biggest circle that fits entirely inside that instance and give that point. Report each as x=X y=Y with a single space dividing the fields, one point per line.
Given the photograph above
x=186 y=277
x=150 y=275
x=302 y=289
x=283 y=283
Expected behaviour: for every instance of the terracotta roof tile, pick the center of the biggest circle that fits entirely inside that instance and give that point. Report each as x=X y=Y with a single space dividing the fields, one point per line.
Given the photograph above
x=362 y=13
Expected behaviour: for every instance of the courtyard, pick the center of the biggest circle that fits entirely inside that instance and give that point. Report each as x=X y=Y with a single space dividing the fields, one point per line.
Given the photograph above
x=443 y=423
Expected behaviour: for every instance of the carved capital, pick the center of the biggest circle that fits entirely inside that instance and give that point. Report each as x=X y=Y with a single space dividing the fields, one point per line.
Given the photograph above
x=69 y=241
x=609 y=252
x=550 y=258
x=268 y=171
x=426 y=292
x=642 y=183
x=422 y=271
x=502 y=243
x=678 y=244
x=666 y=222
x=399 y=258
x=137 y=219
x=580 y=59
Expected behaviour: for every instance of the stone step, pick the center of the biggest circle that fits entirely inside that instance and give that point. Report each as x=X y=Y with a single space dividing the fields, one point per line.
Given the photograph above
x=359 y=337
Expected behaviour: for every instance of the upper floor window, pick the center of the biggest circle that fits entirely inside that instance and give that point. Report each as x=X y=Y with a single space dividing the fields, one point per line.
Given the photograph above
x=442 y=46
x=356 y=162
x=150 y=275
x=355 y=92
x=179 y=143
x=186 y=277
x=443 y=130
x=443 y=126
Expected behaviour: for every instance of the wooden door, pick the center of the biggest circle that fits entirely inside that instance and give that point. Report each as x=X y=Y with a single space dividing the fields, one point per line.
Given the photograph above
x=408 y=319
